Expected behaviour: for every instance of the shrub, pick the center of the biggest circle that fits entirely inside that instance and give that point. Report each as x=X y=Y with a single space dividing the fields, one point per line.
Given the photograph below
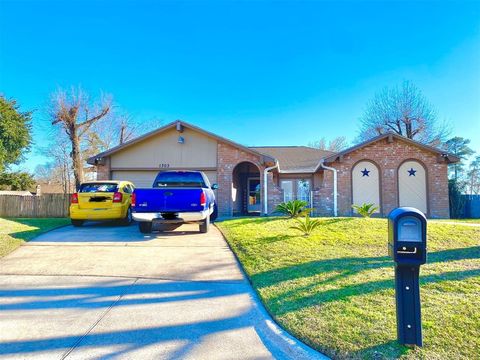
x=293 y=208
x=306 y=225
x=366 y=210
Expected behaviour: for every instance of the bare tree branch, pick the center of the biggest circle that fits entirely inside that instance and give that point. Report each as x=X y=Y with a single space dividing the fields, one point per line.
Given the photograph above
x=406 y=112
x=67 y=109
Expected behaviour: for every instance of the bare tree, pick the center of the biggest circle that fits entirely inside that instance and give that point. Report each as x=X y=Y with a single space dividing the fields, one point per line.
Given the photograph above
x=59 y=170
x=75 y=113
x=403 y=110
x=336 y=145
x=117 y=129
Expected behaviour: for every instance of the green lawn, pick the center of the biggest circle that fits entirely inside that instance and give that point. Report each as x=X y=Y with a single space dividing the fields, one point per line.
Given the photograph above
x=14 y=232
x=334 y=289
x=468 y=221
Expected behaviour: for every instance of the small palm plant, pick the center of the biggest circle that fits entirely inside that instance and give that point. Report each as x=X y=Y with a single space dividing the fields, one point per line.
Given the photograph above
x=365 y=210
x=306 y=226
x=293 y=208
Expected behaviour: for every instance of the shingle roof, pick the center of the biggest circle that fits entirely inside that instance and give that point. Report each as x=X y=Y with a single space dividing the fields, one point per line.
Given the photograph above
x=295 y=159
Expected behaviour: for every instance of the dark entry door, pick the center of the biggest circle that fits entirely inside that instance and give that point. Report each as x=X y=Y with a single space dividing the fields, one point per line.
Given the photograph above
x=253 y=195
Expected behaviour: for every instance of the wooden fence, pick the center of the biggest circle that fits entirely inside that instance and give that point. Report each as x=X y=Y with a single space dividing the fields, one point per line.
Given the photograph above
x=47 y=205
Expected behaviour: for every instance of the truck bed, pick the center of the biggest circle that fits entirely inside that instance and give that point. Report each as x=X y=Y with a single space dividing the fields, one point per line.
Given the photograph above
x=168 y=200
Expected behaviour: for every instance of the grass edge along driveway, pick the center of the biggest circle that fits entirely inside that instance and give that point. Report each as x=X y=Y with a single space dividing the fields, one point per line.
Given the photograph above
x=15 y=231
x=334 y=290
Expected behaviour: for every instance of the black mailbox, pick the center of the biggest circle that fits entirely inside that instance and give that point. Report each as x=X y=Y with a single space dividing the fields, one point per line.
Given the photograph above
x=407 y=246
x=407 y=236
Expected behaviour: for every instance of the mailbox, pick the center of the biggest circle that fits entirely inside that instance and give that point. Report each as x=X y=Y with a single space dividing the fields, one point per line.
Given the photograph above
x=407 y=236
x=407 y=246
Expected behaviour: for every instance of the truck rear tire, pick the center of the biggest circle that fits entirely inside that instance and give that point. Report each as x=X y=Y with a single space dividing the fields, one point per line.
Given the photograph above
x=77 y=223
x=145 y=227
x=205 y=225
x=214 y=214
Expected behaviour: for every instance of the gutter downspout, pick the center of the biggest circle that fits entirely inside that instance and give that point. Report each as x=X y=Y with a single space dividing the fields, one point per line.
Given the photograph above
x=265 y=187
x=334 y=186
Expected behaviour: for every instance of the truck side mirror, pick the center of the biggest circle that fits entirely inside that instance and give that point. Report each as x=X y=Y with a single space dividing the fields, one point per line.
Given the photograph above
x=214 y=186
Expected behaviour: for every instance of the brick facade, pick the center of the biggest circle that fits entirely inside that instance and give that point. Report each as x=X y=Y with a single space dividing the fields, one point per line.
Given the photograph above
x=386 y=153
x=275 y=193
x=323 y=195
x=228 y=157
x=388 y=156
x=103 y=171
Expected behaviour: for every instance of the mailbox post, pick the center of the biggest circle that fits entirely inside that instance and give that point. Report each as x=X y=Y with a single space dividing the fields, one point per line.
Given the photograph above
x=407 y=245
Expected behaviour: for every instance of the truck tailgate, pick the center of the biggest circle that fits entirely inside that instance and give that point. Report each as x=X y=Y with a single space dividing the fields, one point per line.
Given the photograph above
x=168 y=200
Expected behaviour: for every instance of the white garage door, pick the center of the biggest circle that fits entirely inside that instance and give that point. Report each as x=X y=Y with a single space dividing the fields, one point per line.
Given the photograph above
x=366 y=184
x=412 y=185
x=138 y=178
x=145 y=178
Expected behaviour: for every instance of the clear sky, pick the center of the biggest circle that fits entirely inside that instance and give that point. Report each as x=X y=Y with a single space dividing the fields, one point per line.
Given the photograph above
x=259 y=73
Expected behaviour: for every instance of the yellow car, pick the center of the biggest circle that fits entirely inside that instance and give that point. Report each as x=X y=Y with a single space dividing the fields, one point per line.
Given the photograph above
x=102 y=200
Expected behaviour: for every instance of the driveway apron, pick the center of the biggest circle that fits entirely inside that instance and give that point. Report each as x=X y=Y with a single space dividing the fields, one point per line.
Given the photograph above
x=103 y=291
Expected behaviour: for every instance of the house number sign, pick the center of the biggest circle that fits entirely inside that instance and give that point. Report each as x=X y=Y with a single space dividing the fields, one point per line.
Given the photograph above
x=164 y=166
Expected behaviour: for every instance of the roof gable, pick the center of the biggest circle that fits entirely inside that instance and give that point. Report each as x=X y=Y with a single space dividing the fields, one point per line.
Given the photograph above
x=179 y=125
x=390 y=135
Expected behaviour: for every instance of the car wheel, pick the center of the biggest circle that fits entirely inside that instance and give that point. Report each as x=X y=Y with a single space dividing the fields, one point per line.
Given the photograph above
x=77 y=223
x=145 y=227
x=214 y=214
x=205 y=225
x=127 y=220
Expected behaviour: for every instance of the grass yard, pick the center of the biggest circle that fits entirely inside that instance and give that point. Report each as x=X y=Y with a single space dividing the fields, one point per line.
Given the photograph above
x=14 y=232
x=334 y=289
x=468 y=221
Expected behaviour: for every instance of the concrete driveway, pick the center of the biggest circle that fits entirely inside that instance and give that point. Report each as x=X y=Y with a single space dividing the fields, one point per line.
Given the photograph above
x=104 y=291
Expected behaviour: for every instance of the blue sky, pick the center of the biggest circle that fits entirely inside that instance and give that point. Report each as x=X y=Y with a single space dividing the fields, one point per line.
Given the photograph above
x=259 y=73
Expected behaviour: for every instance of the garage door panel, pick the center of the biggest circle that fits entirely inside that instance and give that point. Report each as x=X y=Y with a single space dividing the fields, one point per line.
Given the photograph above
x=212 y=176
x=138 y=178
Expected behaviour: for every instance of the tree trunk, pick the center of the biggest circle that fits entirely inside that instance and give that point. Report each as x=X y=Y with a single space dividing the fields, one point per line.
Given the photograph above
x=76 y=158
x=408 y=128
x=122 y=134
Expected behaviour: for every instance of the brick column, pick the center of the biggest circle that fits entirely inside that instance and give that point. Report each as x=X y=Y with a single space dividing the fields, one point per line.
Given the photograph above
x=323 y=197
x=438 y=190
x=228 y=157
x=275 y=194
x=103 y=171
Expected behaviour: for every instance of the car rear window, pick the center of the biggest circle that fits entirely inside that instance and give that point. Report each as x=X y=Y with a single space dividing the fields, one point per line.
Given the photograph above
x=180 y=179
x=98 y=187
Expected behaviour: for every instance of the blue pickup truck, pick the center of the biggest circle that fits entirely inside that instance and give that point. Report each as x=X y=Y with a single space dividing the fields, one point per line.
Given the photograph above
x=176 y=197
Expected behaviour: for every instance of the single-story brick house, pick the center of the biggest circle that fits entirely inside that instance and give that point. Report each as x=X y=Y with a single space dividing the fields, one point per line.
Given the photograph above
x=388 y=170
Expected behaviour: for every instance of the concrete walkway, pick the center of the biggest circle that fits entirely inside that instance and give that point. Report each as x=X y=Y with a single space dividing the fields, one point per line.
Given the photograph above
x=102 y=291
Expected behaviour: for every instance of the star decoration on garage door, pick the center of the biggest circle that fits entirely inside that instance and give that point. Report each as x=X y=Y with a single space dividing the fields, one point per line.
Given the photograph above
x=365 y=172
x=412 y=172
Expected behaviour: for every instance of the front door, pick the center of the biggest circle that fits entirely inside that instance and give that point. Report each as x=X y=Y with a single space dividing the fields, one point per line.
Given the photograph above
x=253 y=195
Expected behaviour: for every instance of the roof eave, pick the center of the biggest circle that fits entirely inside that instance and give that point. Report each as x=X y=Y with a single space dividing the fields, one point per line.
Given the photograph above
x=298 y=171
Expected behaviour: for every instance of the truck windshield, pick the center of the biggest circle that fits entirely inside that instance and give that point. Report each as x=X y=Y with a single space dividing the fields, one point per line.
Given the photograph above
x=180 y=179
x=98 y=187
